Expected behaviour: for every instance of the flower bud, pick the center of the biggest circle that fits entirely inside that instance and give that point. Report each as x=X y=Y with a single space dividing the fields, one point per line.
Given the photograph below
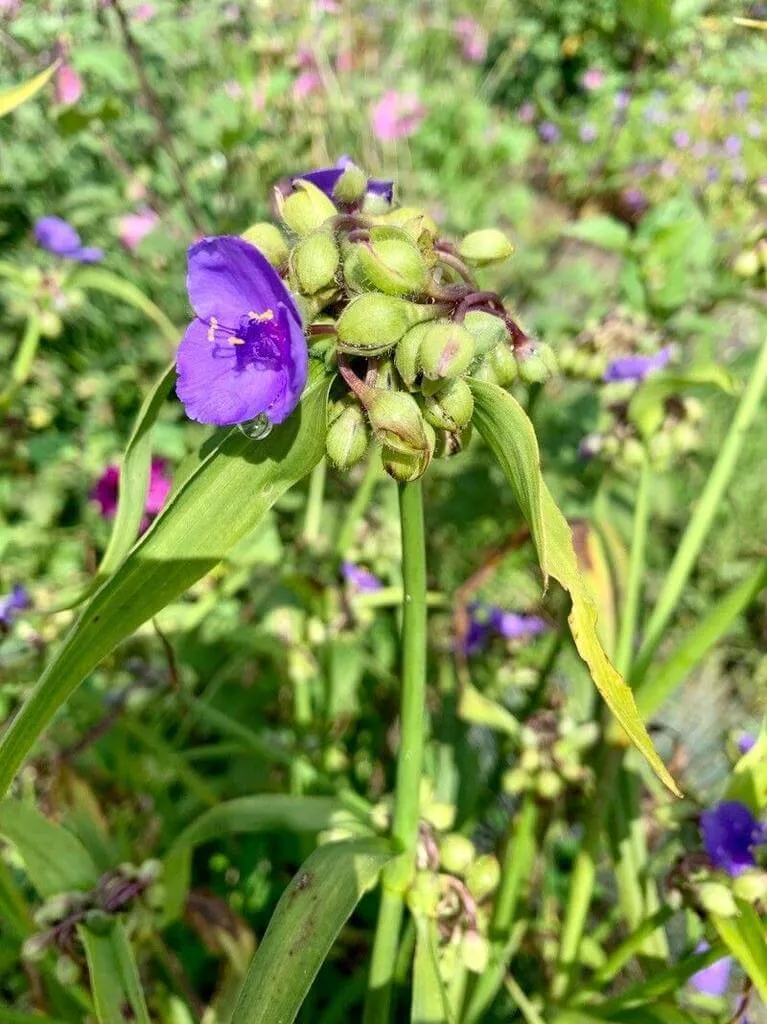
x=456 y=853
x=397 y=421
x=34 y=948
x=53 y=910
x=515 y=781
x=423 y=895
x=407 y=356
x=315 y=261
x=305 y=209
x=751 y=885
x=504 y=363
x=747 y=263
x=486 y=329
x=374 y=323
x=451 y=407
x=66 y=970
x=475 y=952
x=487 y=246
x=375 y=204
x=99 y=922
x=404 y=468
x=270 y=241
x=418 y=225
x=347 y=438
x=150 y=870
x=548 y=784
x=450 y=443
x=50 y=324
x=439 y=814
x=351 y=186
x=392 y=264
x=446 y=350
x=536 y=362
x=717 y=898
x=483 y=876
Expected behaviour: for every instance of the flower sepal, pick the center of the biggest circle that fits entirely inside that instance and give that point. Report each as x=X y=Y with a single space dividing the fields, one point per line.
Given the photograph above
x=305 y=209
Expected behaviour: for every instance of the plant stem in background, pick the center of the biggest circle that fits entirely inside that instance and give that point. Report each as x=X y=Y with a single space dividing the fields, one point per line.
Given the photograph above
x=359 y=503
x=709 y=504
x=630 y=616
x=410 y=756
x=22 y=364
x=314 y=500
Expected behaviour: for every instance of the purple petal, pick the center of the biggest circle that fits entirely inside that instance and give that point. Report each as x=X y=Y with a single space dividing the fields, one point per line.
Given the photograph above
x=359 y=578
x=514 y=626
x=636 y=367
x=159 y=487
x=746 y=741
x=57 y=236
x=730 y=832
x=326 y=178
x=88 y=254
x=713 y=980
x=16 y=601
x=106 y=491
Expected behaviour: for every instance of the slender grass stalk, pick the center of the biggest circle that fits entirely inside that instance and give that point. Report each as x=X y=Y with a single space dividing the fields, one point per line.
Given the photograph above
x=631 y=604
x=410 y=757
x=526 y=1008
x=630 y=946
x=359 y=503
x=709 y=504
x=314 y=501
x=517 y=865
x=22 y=364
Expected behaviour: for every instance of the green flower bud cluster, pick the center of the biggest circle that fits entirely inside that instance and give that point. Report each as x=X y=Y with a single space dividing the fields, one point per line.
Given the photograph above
x=397 y=311
x=622 y=332
x=751 y=262
x=551 y=757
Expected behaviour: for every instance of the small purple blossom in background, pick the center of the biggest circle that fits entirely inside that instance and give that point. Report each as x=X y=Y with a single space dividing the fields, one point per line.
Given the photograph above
x=360 y=579
x=69 y=85
x=730 y=832
x=636 y=367
x=327 y=6
x=134 y=227
x=713 y=174
x=472 y=37
x=733 y=145
x=308 y=82
x=593 y=78
x=587 y=132
x=622 y=99
x=245 y=354
x=397 y=115
x=59 y=237
x=681 y=139
x=143 y=12
x=12 y=603
x=107 y=491
x=635 y=200
x=526 y=113
x=713 y=980
x=548 y=131
x=326 y=179
x=740 y=100
x=745 y=742
x=485 y=620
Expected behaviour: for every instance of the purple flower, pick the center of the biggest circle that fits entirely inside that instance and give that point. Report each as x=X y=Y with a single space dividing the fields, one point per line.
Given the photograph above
x=713 y=174
x=714 y=979
x=107 y=489
x=526 y=113
x=487 y=619
x=587 y=132
x=622 y=99
x=745 y=742
x=16 y=601
x=244 y=355
x=59 y=237
x=733 y=145
x=359 y=578
x=326 y=178
x=681 y=139
x=635 y=200
x=741 y=99
x=548 y=131
x=593 y=79
x=472 y=37
x=730 y=832
x=636 y=367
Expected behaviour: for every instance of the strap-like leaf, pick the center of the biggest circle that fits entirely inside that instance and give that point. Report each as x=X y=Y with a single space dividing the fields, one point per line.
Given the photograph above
x=509 y=433
x=647 y=407
x=55 y=859
x=114 y=976
x=309 y=916
x=745 y=938
x=221 y=501
x=100 y=280
x=18 y=94
x=429 y=997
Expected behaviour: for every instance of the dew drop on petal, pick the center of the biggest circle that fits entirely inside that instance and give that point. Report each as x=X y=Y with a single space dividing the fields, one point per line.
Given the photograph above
x=258 y=428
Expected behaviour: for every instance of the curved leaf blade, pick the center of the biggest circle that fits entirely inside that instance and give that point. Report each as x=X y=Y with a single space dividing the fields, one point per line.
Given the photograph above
x=646 y=408
x=55 y=859
x=236 y=482
x=18 y=94
x=429 y=1004
x=100 y=280
x=509 y=433
x=114 y=976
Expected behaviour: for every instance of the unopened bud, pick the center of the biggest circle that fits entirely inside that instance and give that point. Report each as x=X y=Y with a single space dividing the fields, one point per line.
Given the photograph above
x=270 y=241
x=374 y=323
x=447 y=350
x=456 y=853
x=751 y=885
x=34 y=948
x=418 y=225
x=717 y=898
x=347 y=438
x=504 y=364
x=150 y=870
x=305 y=209
x=475 y=952
x=486 y=329
x=450 y=443
x=451 y=407
x=53 y=910
x=536 y=362
x=374 y=204
x=548 y=784
x=351 y=186
x=487 y=246
x=392 y=263
x=66 y=970
x=423 y=895
x=483 y=876
x=407 y=357
x=439 y=814
x=315 y=261
x=747 y=263
x=404 y=468
x=397 y=421
x=515 y=781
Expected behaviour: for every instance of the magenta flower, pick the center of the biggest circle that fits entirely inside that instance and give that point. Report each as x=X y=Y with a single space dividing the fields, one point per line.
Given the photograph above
x=134 y=227
x=69 y=85
x=713 y=980
x=526 y=113
x=143 y=12
x=730 y=834
x=636 y=367
x=681 y=139
x=107 y=490
x=326 y=178
x=308 y=82
x=9 y=8
x=397 y=115
x=359 y=578
x=472 y=37
x=244 y=355
x=12 y=603
x=593 y=78
x=59 y=237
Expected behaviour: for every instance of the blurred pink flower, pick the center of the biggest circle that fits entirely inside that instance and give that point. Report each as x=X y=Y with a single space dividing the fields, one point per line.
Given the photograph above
x=593 y=78
x=233 y=90
x=526 y=113
x=327 y=6
x=144 y=12
x=397 y=115
x=107 y=489
x=472 y=37
x=10 y=7
x=306 y=83
x=345 y=61
x=257 y=99
x=69 y=86
x=305 y=57
x=133 y=227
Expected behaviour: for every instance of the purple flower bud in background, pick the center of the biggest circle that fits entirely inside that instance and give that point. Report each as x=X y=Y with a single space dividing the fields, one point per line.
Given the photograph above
x=526 y=113
x=713 y=174
x=59 y=237
x=397 y=115
x=360 y=579
x=636 y=367
x=681 y=139
x=69 y=85
x=548 y=131
x=733 y=145
x=514 y=626
x=326 y=179
x=713 y=980
x=622 y=99
x=587 y=132
x=730 y=832
x=745 y=742
x=107 y=490
x=472 y=37
x=740 y=100
x=635 y=200
x=245 y=354
x=593 y=78
x=134 y=227
x=12 y=603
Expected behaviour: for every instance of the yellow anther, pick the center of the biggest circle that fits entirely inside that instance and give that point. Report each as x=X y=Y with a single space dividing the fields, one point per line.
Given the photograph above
x=236 y=341
x=212 y=329
x=261 y=318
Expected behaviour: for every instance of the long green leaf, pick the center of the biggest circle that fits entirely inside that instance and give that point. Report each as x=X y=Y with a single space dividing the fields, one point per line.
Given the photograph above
x=222 y=500
x=55 y=859
x=9 y=1015
x=114 y=976
x=509 y=433
x=18 y=94
x=100 y=280
x=23 y=360
x=262 y=813
x=429 y=1004
x=309 y=916
x=647 y=407
x=745 y=938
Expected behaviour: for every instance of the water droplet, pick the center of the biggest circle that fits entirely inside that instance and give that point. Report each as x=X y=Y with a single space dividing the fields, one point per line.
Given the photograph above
x=258 y=428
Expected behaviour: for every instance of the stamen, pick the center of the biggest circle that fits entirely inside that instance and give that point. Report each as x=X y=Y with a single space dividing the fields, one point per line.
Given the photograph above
x=261 y=318
x=236 y=341
x=212 y=329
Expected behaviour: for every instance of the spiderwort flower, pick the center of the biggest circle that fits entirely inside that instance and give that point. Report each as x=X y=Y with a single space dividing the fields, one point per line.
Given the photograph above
x=488 y=619
x=59 y=237
x=730 y=832
x=12 y=603
x=713 y=980
x=733 y=145
x=244 y=355
x=326 y=178
x=359 y=578
x=636 y=367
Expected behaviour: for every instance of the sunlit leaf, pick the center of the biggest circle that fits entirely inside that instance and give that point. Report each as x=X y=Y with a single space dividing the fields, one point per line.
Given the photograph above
x=745 y=938
x=429 y=1004
x=114 y=977
x=100 y=280
x=18 y=94
x=55 y=859
x=647 y=406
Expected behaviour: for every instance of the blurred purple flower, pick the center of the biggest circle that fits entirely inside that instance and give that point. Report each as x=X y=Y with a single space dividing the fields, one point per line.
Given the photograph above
x=69 y=85
x=730 y=832
x=635 y=200
x=325 y=178
x=134 y=227
x=713 y=980
x=733 y=145
x=10 y=7
x=472 y=37
x=307 y=83
x=526 y=113
x=397 y=115
x=143 y=12
x=488 y=619
x=245 y=354
x=59 y=237
x=622 y=99
x=636 y=367
x=745 y=742
x=593 y=78
x=713 y=174
x=548 y=131
x=740 y=100
x=587 y=132
x=12 y=603
x=107 y=491
x=681 y=139
x=359 y=578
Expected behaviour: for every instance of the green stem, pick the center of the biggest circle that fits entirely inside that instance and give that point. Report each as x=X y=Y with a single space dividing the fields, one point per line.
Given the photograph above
x=410 y=755
x=631 y=602
x=526 y=1008
x=707 y=508
x=22 y=364
x=315 y=498
x=359 y=503
x=517 y=865
x=621 y=955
